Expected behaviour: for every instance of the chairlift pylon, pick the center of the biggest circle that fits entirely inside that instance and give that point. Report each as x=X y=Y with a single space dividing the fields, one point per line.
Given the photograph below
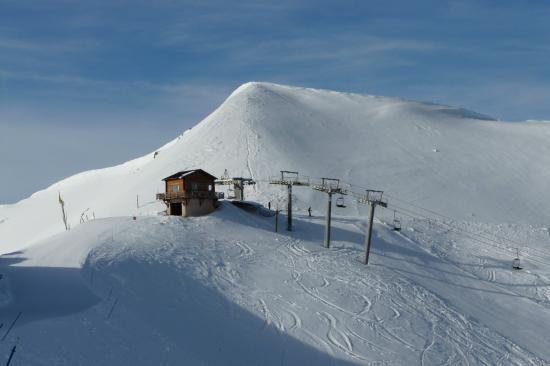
x=340 y=202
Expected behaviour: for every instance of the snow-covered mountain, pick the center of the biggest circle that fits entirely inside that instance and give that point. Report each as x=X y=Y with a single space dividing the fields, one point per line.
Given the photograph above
x=454 y=161
x=226 y=290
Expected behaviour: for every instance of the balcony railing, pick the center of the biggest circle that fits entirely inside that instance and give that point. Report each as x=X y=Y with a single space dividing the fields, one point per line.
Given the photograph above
x=193 y=194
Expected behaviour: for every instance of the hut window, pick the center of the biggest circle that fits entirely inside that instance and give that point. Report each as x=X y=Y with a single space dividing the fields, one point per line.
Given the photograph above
x=175 y=187
x=210 y=187
x=195 y=186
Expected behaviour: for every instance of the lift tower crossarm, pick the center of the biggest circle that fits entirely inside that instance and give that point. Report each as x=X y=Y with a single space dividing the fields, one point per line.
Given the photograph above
x=238 y=184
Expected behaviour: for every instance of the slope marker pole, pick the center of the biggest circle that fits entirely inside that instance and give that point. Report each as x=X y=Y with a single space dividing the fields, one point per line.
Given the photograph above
x=11 y=325
x=11 y=355
x=112 y=309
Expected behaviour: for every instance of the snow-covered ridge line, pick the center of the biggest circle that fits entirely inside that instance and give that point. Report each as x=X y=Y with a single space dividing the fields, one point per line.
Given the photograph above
x=446 y=158
x=456 y=111
x=243 y=88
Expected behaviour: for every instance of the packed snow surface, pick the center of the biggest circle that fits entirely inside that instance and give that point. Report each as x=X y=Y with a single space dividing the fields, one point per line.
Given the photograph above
x=225 y=289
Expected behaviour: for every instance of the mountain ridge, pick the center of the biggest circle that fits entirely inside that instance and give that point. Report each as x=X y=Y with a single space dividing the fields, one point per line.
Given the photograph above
x=420 y=152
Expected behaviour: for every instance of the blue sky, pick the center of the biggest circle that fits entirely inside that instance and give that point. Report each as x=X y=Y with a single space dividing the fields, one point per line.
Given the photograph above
x=90 y=84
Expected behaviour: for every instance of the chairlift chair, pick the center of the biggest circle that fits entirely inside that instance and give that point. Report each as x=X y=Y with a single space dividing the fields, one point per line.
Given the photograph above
x=516 y=264
x=396 y=222
x=396 y=225
x=340 y=202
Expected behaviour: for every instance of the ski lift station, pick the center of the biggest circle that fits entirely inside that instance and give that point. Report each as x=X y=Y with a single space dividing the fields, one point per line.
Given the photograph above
x=190 y=193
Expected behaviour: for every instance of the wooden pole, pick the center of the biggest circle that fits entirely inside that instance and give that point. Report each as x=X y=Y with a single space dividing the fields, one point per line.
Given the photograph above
x=11 y=355
x=11 y=326
x=276 y=220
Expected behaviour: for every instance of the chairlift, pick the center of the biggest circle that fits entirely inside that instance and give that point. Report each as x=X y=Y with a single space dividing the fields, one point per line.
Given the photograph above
x=340 y=202
x=396 y=222
x=516 y=264
x=396 y=225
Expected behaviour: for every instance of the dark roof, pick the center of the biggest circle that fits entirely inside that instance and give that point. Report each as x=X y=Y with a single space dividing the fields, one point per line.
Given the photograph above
x=185 y=173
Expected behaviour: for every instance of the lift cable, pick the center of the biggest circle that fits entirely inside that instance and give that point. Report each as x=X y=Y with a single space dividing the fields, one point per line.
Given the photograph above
x=473 y=236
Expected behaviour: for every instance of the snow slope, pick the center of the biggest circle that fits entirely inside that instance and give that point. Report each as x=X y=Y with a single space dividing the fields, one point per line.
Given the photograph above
x=225 y=290
x=454 y=161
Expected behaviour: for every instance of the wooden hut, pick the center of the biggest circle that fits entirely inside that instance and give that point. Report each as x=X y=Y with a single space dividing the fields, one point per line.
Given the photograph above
x=189 y=193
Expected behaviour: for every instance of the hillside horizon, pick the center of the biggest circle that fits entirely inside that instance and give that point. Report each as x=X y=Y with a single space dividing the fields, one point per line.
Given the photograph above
x=445 y=158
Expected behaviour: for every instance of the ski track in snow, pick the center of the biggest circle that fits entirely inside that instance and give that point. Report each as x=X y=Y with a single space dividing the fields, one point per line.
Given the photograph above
x=294 y=254
x=474 y=263
x=324 y=297
x=428 y=345
x=246 y=130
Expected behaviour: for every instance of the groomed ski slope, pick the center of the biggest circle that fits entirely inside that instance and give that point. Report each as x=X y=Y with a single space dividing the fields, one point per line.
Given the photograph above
x=226 y=290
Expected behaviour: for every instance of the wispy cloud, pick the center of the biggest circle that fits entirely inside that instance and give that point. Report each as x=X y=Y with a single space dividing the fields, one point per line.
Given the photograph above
x=340 y=47
x=78 y=45
x=196 y=89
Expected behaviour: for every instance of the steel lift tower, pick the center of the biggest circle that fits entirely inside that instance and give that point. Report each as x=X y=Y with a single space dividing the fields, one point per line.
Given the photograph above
x=373 y=199
x=289 y=179
x=330 y=186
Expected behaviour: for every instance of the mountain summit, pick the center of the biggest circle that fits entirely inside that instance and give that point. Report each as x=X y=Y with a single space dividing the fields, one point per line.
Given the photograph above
x=454 y=161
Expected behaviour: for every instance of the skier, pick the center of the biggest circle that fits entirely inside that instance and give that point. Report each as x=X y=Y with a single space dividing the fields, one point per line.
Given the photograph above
x=309 y=211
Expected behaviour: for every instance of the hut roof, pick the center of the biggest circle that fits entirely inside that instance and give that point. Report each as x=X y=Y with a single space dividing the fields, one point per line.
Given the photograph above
x=185 y=173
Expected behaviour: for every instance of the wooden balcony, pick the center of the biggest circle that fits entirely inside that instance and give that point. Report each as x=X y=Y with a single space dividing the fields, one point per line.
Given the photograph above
x=169 y=196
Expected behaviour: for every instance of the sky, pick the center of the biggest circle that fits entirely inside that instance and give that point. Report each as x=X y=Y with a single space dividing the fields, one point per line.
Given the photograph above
x=89 y=84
